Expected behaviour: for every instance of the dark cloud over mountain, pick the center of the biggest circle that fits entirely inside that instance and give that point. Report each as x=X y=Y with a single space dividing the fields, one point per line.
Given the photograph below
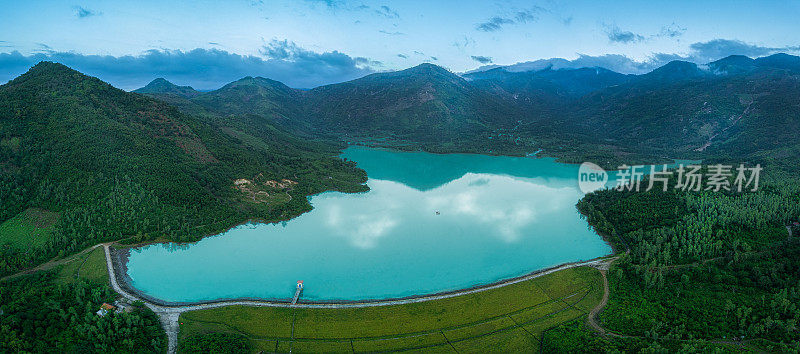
x=719 y=48
x=700 y=53
x=204 y=68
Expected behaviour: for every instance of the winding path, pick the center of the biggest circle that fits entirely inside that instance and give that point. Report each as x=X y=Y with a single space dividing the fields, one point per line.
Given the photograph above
x=592 y=318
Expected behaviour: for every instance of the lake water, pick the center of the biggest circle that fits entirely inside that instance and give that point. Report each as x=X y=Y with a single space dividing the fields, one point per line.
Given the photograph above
x=498 y=218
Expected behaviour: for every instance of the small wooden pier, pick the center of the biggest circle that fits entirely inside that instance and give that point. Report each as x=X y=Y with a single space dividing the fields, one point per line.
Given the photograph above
x=297 y=292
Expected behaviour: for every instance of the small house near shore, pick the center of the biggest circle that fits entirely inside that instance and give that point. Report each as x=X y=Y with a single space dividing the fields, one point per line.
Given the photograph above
x=105 y=308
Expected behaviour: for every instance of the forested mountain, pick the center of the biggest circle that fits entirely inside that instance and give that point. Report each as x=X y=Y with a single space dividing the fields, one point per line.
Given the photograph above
x=252 y=104
x=680 y=109
x=561 y=83
x=425 y=103
x=161 y=86
x=113 y=165
x=672 y=72
x=255 y=96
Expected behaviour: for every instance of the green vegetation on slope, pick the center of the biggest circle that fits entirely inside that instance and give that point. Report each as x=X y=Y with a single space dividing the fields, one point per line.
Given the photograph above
x=29 y=229
x=117 y=165
x=510 y=318
x=90 y=267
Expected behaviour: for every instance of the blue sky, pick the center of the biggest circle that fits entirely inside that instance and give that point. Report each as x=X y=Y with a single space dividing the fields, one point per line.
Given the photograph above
x=307 y=43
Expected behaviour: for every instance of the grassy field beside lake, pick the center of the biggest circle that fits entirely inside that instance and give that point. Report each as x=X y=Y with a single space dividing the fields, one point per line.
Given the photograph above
x=511 y=318
x=90 y=266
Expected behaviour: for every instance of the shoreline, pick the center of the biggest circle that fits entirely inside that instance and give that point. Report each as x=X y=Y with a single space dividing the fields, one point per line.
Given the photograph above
x=169 y=313
x=119 y=260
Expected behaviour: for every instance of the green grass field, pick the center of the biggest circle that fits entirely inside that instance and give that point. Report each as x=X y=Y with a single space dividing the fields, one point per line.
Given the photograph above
x=90 y=266
x=511 y=318
x=29 y=229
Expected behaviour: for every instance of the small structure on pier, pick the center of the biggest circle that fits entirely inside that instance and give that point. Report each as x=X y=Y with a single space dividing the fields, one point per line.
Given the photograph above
x=297 y=291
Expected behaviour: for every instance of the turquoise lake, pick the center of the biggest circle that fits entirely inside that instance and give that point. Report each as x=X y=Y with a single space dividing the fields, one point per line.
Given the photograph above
x=498 y=218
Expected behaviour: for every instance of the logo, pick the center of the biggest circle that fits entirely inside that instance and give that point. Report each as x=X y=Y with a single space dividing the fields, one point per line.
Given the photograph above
x=591 y=177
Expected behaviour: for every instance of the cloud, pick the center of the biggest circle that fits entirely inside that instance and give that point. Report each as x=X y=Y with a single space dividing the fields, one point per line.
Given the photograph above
x=344 y=5
x=496 y=23
x=699 y=53
x=83 y=12
x=391 y=33
x=286 y=50
x=481 y=59
x=493 y=24
x=464 y=43
x=615 y=62
x=402 y=56
x=203 y=68
x=328 y=3
x=44 y=48
x=486 y=200
x=704 y=52
x=387 y=12
x=526 y=16
x=671 y=31
x=363 y=229
x=616 y=35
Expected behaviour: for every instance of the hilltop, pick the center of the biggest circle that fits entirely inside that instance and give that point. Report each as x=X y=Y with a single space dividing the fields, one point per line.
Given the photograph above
x=162 y=86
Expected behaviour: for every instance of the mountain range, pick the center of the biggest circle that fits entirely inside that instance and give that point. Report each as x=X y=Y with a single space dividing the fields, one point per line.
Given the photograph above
x=681 y=109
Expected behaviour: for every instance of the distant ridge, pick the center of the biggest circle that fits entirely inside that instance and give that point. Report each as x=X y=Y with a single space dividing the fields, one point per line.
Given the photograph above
x=675 y=70
x=162 y=86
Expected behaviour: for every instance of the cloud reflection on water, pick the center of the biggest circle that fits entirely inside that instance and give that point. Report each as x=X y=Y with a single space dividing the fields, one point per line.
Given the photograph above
x=507 y=207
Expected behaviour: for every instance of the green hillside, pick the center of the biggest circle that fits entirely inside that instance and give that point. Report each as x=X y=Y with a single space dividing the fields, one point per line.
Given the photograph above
x=117 y=165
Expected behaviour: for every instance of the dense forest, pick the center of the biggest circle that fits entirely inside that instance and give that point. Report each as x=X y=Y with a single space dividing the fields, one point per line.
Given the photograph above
x=702 y=265
x=40 y=315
